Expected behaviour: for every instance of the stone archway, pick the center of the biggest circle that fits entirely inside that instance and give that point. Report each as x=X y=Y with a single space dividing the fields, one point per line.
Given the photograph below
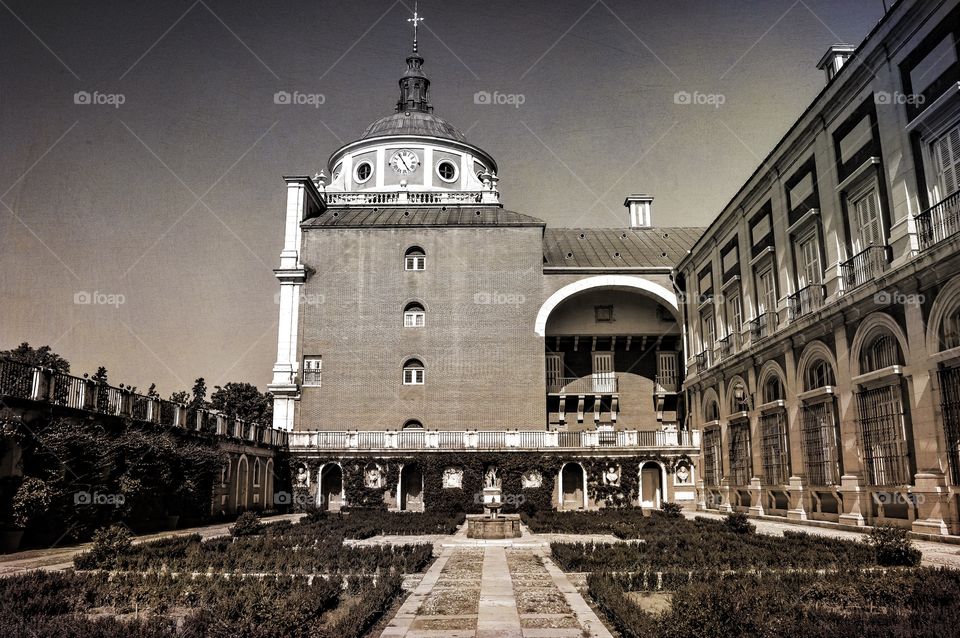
x=651 y=485
x=573 y=487
x=330 y=488
x=410 y=496
x=241 y=500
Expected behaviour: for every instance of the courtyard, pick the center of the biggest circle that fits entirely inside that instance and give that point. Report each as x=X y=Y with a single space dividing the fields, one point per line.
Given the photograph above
x=371 y=573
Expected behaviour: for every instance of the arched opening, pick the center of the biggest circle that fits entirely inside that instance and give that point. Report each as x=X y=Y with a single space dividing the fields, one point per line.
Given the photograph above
x=268 y=498
x=712 y=411
x=413 y=372
x=613 y=354
x=943 y=333
x=819 y=425
x=651 y=485
x=413 y=424
x=415 y=259
x=330 y=496
x=243 y=484
x=572 y=487
x=411 y=489
x=414 y=316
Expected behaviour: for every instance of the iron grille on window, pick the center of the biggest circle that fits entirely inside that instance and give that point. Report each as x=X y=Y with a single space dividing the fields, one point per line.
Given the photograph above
x=950 y=407
x=712 y=467
x=883 y=435
x=818 y=440
x=773 y=448
x=741 y=467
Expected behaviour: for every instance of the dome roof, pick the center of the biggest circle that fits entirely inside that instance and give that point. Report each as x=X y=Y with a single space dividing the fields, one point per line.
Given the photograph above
x=413 y=123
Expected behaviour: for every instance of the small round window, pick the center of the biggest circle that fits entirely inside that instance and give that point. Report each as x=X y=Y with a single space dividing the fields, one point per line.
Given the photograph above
x=364 y=171
x=447 y=170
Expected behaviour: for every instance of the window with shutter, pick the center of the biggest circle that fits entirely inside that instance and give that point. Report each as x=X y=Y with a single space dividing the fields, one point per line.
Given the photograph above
x=868 y=220
x=946 y=150
x=810 y=272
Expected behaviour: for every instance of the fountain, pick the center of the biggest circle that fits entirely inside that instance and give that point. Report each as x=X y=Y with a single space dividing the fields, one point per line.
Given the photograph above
x=492 y=524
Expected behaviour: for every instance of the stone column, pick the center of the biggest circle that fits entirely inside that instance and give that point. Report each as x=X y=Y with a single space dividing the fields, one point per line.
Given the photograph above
x=852 y=483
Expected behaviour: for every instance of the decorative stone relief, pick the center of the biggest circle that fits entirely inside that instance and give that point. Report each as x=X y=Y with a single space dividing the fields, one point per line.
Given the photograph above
x=302 y=476
x=611 y=476
x=682 y=474
x=531 y=478
x=452 y=477
x=372 y=476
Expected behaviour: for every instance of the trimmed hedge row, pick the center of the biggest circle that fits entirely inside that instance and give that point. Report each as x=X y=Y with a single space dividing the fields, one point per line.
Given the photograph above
x=917 y=602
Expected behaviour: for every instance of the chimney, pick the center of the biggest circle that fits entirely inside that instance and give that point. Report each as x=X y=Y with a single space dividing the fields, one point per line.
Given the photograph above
x=639 y=207
x=835 y=57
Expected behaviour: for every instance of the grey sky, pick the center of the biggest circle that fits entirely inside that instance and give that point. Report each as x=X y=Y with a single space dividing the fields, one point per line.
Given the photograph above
x=172 y=201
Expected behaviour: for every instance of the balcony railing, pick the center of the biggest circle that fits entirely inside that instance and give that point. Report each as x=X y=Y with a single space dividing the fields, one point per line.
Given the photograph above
x=763 y=326
x=22 y=381
x=490 y=439
x=939 y=222
x=603 y=383
x=729 y=345
x=805 y=300
x=411 y=198
x=865 y=266
x=666 y=383
x=704 y=359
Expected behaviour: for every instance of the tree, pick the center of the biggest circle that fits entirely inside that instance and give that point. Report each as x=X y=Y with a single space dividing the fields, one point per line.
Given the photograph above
x=100 y=375
x=181 y=397
x=199 y=394
x=243 y=400
x=152 y=391
x=43 y=356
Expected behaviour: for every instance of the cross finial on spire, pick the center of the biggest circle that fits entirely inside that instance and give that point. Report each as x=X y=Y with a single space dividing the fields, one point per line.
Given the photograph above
x=416 y=20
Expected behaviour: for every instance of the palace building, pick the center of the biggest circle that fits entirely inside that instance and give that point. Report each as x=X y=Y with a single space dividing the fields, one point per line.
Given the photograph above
x=822 y=305
x=428 y=333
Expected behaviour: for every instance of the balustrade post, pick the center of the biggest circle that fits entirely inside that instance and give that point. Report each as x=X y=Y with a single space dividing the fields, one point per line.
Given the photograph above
x=433 y=440
x=551 y=439
x=589 y=439
x=471 y=439
x=353 y=439
x=390 y=439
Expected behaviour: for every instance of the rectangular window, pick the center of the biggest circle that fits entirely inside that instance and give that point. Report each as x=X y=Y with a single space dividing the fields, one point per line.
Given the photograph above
x=946 y=155
x=415 y=262
x=810 y=271
x=741 y=465
x=773 y=448
x=413 y=376
x=766 y=292
x=712 y=463
x=554 y=372
x=883 y=440
x=950 y=408
x=414 y=319
x=709 y=330
x=667 y=378
x=818 y=441
x=603 y=375
x=312 y=371
x=866 y=211
x=734 y=314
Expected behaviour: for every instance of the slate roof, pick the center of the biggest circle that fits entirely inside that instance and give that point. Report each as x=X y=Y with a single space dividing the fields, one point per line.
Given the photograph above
x=453 y=215
x=617 y=247
x=413 y=123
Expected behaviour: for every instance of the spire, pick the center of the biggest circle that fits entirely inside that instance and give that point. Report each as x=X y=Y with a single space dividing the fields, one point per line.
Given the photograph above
x=414 y=84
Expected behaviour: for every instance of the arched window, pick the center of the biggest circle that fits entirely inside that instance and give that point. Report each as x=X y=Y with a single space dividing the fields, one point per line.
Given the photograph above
x=881 y=351
x=950 y=329
x=772 y=389
x=414 y=316
x=413 y=372
x=713 y=411
x=413 y=424
x=818 y=375
x=415 y=259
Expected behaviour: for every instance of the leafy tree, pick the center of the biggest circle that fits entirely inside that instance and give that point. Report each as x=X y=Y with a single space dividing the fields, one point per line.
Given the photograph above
x=199 y=391
x=100 y=375
x=180 y=397
x=243 y=400
x=42 y=356
x=152 y=391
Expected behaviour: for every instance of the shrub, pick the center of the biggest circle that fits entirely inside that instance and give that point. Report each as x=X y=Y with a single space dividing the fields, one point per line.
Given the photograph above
x=892 y=547
x=671 y=510
x=248 y=524
x=32 y=497
x=109 y=545
x=738 y=523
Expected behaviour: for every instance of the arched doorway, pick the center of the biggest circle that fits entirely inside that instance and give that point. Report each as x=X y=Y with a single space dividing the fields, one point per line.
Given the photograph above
x=572 y=487
x=268 y=485
x=410 y=498
x=651 y=485
x=243 y=484
x=330 y=487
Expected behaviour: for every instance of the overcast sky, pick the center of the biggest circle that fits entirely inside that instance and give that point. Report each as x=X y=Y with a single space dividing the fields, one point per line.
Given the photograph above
x=166 y=197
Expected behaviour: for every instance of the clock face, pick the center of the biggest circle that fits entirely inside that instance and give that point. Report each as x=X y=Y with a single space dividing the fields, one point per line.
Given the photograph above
x=404 y=161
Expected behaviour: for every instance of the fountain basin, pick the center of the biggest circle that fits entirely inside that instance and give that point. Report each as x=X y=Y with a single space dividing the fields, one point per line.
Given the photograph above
x=493 y=527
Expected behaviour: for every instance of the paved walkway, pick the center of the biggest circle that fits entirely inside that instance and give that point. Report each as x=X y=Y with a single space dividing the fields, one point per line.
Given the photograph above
x=60 y=558
x=934 y=554
x=493 y=589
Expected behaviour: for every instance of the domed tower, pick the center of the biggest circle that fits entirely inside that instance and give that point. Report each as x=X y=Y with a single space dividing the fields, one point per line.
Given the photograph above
x=411 y=156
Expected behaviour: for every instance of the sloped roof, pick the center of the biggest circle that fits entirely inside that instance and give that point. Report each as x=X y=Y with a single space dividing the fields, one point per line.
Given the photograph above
x=617 y=247
x=451 y=215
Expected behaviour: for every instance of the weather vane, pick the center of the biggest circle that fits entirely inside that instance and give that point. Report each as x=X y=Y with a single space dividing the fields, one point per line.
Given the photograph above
x=416 y=20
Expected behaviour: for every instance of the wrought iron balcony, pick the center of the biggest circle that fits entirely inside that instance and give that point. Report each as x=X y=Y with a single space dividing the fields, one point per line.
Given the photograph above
x=666 y=383
x=704 y=359
x=603 y=383
x=729 y=345
x=763 y=326
x=805 y=300
x=865 y=266
x=440 y=440
x=939 y=222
